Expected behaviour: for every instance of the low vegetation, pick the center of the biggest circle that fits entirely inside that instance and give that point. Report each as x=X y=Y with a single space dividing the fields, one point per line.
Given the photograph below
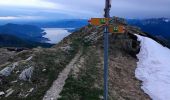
x=83 y=87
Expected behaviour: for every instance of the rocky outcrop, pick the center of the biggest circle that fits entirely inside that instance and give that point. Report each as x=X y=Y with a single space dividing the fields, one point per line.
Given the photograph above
x=26 y=74
x=2 y=93
x=9 y=92
x=6 y=71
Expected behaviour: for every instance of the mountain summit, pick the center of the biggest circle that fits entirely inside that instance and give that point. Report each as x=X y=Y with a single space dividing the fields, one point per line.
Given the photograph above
x=73 y=69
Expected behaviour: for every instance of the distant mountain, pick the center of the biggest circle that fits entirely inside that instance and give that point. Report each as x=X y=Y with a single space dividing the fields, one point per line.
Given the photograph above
x=25 y=32
x=159 y=27
x=15 y=35
x=7 y=40
x=68 y=23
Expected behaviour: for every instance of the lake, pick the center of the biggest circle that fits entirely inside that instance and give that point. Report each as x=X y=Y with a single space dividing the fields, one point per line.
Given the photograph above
x=55 y=35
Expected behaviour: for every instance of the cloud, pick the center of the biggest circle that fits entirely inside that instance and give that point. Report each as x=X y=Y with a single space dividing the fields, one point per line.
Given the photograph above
x=20 y=17
x=30 y=3
x=51 y=9
x=124 y=8
x=7 y=18
x=141 y=8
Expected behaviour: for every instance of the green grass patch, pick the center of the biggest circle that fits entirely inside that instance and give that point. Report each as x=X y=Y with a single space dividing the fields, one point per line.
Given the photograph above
x=82 y=88
x=54 y=61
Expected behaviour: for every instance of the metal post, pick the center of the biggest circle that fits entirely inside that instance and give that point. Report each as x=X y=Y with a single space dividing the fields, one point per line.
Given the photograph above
x=106 y=47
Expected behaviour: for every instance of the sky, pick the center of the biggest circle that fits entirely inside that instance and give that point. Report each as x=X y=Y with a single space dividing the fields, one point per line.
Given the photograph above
x=81 y=9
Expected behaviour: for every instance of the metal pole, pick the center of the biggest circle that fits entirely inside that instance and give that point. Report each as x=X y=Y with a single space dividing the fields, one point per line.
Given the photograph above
x=106 y=47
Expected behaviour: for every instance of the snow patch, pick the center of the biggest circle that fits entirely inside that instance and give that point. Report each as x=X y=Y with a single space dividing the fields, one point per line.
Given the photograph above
x=153 y=68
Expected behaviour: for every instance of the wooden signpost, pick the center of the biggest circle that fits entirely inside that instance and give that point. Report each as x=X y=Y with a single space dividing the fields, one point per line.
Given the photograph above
x=99 y=21
x=116 y=29
x=105 y=21
x=108 y=28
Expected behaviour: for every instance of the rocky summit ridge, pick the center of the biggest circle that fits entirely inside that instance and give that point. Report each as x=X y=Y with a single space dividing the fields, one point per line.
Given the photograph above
x=29 y=74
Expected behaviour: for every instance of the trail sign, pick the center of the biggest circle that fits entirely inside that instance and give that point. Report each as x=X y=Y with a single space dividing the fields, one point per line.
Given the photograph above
x=99 y=21
x=116 y=29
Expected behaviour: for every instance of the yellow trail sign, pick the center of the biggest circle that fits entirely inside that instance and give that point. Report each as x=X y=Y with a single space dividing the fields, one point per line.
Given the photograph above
x=105 y=21
x=99 y=21
x=116 y=29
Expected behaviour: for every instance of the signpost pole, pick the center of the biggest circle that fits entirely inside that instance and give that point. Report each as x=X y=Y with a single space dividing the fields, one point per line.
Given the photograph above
x=106 y=47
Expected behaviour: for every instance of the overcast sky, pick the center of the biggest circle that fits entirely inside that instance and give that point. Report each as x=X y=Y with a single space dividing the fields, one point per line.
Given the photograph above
x=83 y=9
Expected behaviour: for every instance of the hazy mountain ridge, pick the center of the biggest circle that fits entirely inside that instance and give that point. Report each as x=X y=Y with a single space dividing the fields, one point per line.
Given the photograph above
x=15 y=35
x=28 y=32
x=158 y=27
x=7 y=40
x=67 y=23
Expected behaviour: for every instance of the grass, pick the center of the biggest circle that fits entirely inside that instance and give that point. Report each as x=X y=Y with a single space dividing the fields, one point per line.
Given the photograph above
x=82 y=87
x=54 y=61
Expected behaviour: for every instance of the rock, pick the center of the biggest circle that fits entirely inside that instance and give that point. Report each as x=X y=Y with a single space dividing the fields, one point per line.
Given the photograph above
x=44 y=70
x=9 y=92
x=17 y=72
x=101 y=97
x=6 y=71
x=14 y=65
x=31 y=90
x=28 y=59
x=21 y=84
x=14 y=81
x=66 y=48
x=93 y=37
x=26 y=74
x=2 y=93
x=23 y=95
x=26 y=95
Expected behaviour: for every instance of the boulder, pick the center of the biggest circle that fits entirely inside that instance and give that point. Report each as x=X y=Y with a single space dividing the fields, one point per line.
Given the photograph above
x=26 y=74
x=66 y=48
x=6 y=71
x=2 y=93
x=28 y=59
x=9 y=92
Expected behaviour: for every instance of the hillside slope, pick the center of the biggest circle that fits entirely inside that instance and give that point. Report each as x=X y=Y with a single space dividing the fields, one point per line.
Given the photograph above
x=29 y=74
x=158 y=27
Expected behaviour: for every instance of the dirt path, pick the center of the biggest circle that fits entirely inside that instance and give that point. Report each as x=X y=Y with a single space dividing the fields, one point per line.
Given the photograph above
x=56 y=88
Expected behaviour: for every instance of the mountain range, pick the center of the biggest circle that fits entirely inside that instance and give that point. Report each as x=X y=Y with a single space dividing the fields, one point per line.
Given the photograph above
x=65 y=23
x=15 y=35
x=158 y=27
x=31 y=33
